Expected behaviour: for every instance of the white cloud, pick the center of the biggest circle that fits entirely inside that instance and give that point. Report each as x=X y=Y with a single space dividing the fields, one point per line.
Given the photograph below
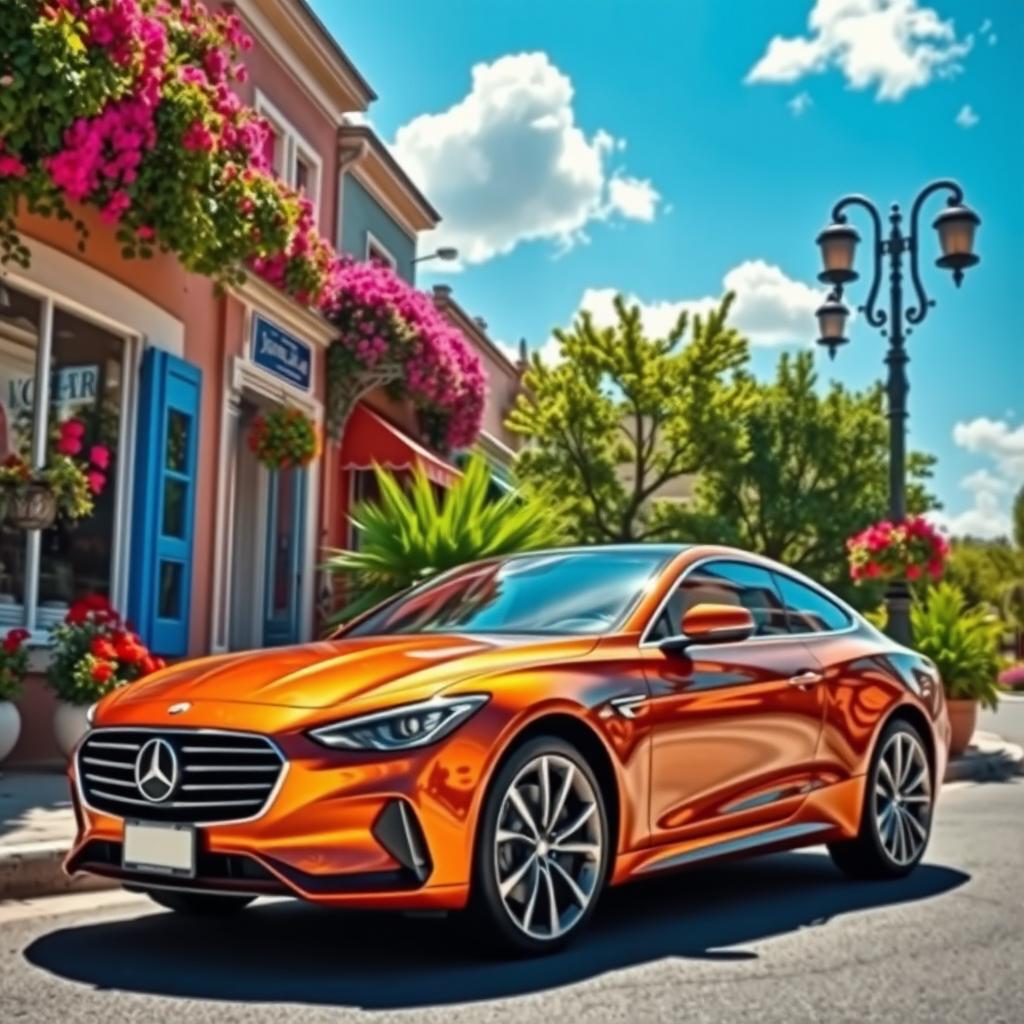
x=632 y=197
x=986 y=519
x=896 y=45
x=984 y=480
x=989 y=515
x=800 y=103
x=508 y=163
x=997 y=440
x=771 y=308
x=967 y=118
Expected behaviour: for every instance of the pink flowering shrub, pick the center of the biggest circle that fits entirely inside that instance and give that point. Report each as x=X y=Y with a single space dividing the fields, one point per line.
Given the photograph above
x=394 y=335
x=128 y=106
x=905 y=550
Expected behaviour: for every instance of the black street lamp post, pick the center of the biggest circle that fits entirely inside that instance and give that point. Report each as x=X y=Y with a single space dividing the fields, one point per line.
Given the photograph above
x=956 y=226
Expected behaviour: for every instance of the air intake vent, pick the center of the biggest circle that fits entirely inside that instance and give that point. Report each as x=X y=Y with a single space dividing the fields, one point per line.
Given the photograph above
x=181 y=775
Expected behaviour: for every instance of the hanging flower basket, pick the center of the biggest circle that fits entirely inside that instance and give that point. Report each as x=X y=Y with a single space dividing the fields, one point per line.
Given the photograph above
x=284 y=438
x=909 y=549
x=73 y=476
x=31 y=505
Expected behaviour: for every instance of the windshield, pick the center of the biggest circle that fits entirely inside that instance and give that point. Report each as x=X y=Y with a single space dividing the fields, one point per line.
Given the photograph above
x=560 y=593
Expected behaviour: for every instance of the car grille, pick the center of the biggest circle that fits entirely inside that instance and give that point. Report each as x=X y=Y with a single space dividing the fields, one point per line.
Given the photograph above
x=211 y=777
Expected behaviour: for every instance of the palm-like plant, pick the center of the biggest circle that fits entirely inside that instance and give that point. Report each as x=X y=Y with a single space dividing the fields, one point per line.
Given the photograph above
x=407 y=535
x=963 y=642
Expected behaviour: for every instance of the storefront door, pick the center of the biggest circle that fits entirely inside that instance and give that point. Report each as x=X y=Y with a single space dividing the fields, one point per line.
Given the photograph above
x=267 y=567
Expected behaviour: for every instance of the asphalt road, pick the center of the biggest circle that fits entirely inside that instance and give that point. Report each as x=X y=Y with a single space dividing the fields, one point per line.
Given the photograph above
x=782 y=938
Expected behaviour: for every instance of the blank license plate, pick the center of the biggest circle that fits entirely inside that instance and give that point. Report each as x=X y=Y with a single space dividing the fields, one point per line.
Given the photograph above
x=170 y=849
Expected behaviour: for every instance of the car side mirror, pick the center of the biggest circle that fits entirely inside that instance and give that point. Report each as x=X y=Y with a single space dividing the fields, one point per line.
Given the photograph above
x=711 y=624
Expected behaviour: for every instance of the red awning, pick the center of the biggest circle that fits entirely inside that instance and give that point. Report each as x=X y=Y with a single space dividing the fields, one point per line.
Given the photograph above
x=370 y=440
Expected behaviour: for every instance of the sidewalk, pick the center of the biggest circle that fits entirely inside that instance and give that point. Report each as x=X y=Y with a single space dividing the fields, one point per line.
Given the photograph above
x=37 y=825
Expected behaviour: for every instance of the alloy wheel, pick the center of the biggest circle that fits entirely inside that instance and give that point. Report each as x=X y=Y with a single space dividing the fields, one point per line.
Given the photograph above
x=903 y=798
x=548 y=847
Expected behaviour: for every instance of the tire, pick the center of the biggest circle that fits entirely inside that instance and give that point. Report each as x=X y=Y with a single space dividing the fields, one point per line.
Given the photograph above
x=199 y=904
x=896 y=818
x=559 y=858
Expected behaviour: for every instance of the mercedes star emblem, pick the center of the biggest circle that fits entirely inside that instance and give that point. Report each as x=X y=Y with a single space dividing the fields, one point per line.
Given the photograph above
x=179 y=708
x=156 y=770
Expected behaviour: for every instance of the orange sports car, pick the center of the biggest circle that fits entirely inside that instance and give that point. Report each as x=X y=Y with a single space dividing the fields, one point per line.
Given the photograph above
x=515 y=735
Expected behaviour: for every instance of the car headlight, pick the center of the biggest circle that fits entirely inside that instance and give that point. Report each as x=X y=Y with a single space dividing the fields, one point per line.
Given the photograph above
x=401 y=728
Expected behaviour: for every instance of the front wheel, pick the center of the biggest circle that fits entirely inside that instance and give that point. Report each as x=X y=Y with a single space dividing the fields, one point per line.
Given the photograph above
x=896 y=819
x=543 y=848
x=199 y=904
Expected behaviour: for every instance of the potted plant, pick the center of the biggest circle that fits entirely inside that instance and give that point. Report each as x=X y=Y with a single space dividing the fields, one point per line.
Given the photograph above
x=963 y=642
x=13 y=666
x=94 y=652
x=284 y=437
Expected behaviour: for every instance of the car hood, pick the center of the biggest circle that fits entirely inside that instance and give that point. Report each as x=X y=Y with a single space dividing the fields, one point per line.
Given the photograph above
x=332 y=672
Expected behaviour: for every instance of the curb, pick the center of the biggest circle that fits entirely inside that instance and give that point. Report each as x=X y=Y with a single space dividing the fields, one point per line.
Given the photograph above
x=34 y=869
x=989 y=758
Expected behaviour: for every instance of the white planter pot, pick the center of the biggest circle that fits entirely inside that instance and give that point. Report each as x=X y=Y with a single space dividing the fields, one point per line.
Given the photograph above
x=69 y=726
x=10 y=727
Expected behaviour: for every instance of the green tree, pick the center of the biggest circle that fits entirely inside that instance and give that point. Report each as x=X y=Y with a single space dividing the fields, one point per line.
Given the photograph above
x=623 y=416
x=407 y=535
x=982 y=569
x=813 y=471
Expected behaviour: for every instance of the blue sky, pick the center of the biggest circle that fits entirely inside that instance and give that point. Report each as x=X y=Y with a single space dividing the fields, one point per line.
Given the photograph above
x=662 y=149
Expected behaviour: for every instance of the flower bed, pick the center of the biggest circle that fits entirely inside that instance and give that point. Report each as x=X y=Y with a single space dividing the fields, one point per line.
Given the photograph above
x=1012 y=678
x=128 y=106
x=909 y=549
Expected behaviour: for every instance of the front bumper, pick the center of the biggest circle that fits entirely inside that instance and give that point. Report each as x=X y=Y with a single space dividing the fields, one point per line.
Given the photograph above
x=347 y=828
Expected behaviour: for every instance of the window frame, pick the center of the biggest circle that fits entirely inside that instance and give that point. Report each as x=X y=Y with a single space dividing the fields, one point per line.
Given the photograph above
x=50 y=300
x=649 y=626
x=296 y=147
x=383 y=252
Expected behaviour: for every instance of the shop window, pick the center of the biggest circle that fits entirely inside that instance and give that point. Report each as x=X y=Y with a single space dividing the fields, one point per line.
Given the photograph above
x=79 y=366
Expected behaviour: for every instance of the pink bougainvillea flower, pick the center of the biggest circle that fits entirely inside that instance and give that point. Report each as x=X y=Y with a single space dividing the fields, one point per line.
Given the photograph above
x=11 y=167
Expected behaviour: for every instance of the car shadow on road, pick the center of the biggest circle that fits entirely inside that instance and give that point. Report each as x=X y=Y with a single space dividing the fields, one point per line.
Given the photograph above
x=290 y=952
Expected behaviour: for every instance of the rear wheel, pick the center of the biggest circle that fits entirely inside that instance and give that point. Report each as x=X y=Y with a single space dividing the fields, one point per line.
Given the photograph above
x=896 y=819
x=543 y=848
x=199 y=904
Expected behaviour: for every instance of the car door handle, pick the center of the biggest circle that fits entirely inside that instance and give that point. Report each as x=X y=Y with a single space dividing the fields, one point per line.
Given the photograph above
x=802 y=680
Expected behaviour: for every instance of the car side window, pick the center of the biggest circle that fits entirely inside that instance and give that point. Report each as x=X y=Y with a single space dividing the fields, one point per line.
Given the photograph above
x=808 y=610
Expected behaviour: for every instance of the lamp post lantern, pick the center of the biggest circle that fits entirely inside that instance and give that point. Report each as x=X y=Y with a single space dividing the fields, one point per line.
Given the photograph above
x=956 y=226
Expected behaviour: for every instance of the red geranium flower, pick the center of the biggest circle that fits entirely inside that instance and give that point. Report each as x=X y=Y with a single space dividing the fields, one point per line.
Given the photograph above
x=14 y=639
x=102 y=671
x=103 y=648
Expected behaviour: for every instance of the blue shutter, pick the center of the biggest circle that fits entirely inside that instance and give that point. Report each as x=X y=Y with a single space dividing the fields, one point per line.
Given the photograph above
x=163 y=505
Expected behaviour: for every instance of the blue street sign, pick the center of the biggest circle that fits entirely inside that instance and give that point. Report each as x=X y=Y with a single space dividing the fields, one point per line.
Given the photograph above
x=281 y=353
